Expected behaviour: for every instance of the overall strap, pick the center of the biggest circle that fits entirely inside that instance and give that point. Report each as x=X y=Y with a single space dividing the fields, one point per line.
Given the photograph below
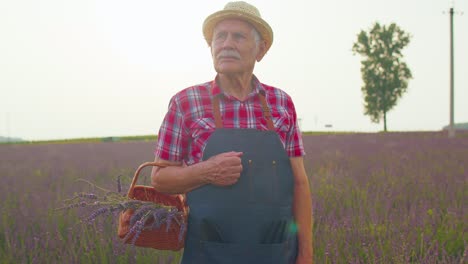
x=266 y=111
x=217 y=112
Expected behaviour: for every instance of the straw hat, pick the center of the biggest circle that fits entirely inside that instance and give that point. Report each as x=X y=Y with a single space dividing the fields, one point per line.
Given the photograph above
x=239 y=10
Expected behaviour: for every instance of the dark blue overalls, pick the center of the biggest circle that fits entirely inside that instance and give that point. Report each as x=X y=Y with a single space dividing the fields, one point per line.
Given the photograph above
x=248 y=222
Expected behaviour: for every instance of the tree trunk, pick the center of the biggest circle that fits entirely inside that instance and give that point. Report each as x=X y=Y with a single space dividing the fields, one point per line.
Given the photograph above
x=385 y=121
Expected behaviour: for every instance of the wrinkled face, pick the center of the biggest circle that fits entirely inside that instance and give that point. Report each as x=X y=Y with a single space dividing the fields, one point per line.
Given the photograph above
x=235 y=48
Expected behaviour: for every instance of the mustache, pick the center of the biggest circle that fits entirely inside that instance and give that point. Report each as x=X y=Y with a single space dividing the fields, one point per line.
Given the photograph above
x=228 y=53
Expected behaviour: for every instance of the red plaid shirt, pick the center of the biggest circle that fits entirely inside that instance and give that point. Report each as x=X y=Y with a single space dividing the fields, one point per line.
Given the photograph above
x=189 y=121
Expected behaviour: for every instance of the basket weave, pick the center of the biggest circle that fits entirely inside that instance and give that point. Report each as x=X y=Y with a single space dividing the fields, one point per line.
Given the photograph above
x=154 y=238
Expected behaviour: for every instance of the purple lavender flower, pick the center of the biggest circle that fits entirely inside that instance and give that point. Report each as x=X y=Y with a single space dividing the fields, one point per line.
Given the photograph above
x=169 y=217
x=158 y=215
x=138 y=228
x=96 y=213
x=183 y=227
x=139 y=213
x=132 y=230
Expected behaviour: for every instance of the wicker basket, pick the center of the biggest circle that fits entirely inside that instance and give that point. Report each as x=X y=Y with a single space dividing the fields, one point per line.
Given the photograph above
x=155 y=238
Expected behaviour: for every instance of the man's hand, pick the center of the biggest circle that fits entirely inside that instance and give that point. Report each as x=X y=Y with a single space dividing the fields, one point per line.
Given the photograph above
x=224 y=168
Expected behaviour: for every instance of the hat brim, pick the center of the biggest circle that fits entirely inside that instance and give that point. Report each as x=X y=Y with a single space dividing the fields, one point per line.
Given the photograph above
x=259 y=24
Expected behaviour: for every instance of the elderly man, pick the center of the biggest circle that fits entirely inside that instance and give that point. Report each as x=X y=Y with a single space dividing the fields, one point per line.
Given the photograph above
x=235 y=149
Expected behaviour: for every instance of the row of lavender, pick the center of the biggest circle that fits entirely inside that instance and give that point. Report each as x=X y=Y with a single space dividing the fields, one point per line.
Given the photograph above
x=389 y=198
x=378 y=198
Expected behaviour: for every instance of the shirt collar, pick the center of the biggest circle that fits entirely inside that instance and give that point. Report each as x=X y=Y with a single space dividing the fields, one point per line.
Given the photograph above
x=216 y=90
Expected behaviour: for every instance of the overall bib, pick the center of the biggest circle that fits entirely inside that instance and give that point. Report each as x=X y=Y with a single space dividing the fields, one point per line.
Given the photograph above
x=250 y=221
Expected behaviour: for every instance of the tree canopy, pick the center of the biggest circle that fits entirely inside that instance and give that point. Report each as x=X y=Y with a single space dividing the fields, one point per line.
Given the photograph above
x=384 y=73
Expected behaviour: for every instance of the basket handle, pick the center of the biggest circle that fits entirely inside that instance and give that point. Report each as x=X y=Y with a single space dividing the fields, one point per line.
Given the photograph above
x=137 y=173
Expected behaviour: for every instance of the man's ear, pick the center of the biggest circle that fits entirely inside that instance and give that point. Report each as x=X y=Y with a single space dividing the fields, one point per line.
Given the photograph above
x=211 y=50
x=261 y=50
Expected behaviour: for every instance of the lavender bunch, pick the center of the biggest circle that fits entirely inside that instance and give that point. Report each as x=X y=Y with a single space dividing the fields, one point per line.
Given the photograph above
x=147 y=215
x=155 y=216
x=136 y=229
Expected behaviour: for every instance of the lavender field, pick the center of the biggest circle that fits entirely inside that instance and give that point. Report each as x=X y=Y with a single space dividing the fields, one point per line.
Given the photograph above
x=378 y=198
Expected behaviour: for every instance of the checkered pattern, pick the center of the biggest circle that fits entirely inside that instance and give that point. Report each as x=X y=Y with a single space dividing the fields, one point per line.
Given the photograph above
x=189 y=121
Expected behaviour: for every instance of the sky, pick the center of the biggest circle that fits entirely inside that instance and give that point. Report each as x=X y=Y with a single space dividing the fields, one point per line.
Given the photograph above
x=74 y=69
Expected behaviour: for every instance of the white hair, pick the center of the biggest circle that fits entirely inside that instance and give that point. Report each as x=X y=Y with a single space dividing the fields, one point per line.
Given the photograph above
x=256 y=35
x=257 y=38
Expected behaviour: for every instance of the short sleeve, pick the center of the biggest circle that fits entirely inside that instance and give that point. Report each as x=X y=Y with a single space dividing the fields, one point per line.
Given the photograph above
x=293 y=142
x=170 y=143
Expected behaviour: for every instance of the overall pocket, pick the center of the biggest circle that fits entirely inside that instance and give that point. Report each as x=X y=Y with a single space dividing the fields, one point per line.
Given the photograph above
x=234 y=253
x=263 y=182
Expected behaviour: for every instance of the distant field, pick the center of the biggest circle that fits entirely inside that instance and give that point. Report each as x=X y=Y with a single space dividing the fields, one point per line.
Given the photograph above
x=378 y=198
x=114 y=139
x=86 y=140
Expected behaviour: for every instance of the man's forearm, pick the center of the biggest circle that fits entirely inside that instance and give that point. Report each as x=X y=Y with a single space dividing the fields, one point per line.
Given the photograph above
x=179 y=179
x=302 y=209
x=304 y=219
x=222 y=170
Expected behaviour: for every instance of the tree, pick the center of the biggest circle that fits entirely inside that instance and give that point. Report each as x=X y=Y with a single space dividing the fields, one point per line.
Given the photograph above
x=384 y=73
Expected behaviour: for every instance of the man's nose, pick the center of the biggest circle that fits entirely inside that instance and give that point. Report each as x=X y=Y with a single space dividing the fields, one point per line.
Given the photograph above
x=228 y=41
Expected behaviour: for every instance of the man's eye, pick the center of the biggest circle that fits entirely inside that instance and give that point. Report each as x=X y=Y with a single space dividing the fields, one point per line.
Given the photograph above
x=220 y=36
x=239 y=36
